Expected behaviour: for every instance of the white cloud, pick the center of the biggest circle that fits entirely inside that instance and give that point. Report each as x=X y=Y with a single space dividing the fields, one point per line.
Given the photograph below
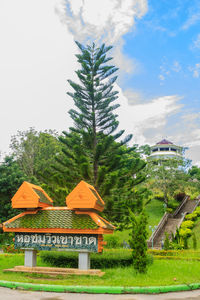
x=196 y=43
x=192 y=20
x=133 y=96
x=123 y=62
x=176 y=67
x=103 y=21
x=161 y=77
x=195 y=70
x=36 y=59
x=138 y=118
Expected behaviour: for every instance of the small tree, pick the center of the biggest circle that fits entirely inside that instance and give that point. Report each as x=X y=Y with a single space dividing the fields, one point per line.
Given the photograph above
x=168 y=175
x=138 y=241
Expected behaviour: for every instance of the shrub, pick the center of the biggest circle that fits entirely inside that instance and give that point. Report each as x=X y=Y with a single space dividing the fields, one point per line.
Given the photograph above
x=194 y=241
x=98 y=261
x=112 y=242
x=185 y=232
x=159 y=197
x=194 y=196
x=6 y=238
x=138 y=241
x=193 y=216
x=10 y=249
x=166 y=242
x=187 y=224
x=172 y=204
x=197 y=211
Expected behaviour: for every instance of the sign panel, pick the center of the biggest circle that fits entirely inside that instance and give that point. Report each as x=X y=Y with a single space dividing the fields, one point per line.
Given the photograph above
x=52 y=241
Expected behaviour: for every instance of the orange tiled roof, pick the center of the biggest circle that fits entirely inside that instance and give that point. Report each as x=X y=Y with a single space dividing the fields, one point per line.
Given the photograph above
x=84 y=196
x=30 y=196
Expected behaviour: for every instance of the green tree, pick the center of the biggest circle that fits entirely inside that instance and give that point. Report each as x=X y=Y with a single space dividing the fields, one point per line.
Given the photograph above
x=90 y=149
x=138 y=241
x=35 y=153
x=11 y=177
x=167 y=175
x=194 y=172
x=129 y=192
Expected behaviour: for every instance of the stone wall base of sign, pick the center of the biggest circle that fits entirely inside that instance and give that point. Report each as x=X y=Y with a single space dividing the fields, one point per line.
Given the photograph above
x=55 y=271
x=30 y=257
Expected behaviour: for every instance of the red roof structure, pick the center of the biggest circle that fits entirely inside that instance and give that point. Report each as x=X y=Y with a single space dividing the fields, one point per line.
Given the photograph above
x=164 y=142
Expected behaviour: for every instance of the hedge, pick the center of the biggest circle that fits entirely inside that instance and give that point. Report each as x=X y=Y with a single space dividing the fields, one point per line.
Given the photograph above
x=98 y=261
x=180 y=253
x=177 y=258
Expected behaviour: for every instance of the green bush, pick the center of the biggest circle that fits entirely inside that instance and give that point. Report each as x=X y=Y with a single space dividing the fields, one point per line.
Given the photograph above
x=98 y=261
x=169 y=210
x=180 y=253
x=6 y=238
x=197 y=211
x=159 y=196
x=187 y=224
x=193 y=216
x=112 y=242
x=185 y=232
x=166 y=242
x=11 y=249
x=172 y=204
x=194 y=196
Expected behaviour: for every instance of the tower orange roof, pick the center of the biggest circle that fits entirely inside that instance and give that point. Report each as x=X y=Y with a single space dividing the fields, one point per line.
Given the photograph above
x=31 y=196
x=84 y=196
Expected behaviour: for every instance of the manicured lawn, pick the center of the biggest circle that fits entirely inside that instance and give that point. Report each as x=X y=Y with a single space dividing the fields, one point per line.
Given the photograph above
x=161 y=272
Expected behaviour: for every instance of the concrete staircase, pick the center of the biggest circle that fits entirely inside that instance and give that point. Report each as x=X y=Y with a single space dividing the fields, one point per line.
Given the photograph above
x=188 y=207
x=170 y=222
x=169 y=227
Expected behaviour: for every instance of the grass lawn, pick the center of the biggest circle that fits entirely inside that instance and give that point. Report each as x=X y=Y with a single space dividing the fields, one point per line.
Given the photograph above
x=155 y=211
x=161 y=272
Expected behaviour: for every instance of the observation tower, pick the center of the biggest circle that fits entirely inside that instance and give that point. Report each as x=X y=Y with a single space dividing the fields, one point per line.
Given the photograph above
x=165 y=150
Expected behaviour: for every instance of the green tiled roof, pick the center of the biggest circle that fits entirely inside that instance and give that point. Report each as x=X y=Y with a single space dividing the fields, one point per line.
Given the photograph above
x=66 y=219
x=42 y=196
x=98 y=199
x=107 y=224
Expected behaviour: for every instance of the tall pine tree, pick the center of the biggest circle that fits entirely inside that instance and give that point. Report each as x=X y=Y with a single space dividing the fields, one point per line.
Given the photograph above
x=90 y=148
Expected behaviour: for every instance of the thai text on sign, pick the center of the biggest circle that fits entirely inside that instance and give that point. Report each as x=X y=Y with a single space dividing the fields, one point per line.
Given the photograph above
x=43 y=241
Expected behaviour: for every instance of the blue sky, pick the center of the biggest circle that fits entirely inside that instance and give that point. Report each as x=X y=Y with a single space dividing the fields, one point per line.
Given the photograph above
x=166 y=43
x=156 y=45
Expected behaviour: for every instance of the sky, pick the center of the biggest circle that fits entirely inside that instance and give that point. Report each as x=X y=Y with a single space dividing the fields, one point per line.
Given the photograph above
x=156 y=45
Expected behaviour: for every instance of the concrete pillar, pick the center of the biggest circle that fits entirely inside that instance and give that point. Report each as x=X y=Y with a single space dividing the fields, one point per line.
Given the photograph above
x=84 y=260
x=30 y=258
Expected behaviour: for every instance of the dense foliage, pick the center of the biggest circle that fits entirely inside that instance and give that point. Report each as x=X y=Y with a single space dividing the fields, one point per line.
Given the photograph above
x=11 y=177
x=169 y=177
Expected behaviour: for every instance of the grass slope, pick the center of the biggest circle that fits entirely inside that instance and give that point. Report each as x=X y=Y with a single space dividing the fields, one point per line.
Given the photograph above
x=154 y=210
